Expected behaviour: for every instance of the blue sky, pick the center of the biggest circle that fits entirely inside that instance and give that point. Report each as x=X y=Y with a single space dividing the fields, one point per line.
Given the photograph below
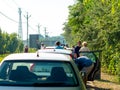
x=47 y=13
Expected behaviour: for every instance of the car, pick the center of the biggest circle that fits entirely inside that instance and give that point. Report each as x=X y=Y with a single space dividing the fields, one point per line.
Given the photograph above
x=50 y=47
x=46 y=71
x=93 y=55
x=56 y=51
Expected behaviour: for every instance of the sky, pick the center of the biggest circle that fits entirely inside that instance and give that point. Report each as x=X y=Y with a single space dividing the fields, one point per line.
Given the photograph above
x=49 y=14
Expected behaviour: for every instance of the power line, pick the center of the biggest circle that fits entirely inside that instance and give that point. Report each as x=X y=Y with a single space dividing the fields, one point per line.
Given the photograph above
x=24 y=10
x=32 y=28
x=14 y=20
x=8 y=4
x=8 y=17
x=16 y=3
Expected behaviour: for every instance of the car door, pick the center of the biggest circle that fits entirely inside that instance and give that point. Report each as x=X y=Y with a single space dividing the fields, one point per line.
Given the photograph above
x=95 y=56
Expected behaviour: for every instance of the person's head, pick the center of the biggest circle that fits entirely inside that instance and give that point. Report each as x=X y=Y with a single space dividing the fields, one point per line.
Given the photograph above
x=73 y=46
x=26 y=46
x=84 y=44
x=57 y=43
x=79 y=43
x=74 y=55
x=42 y=44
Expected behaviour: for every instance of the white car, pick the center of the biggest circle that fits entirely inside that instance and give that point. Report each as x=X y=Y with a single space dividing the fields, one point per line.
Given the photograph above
x=56 y=51
x=46 y=71
x=50 y=47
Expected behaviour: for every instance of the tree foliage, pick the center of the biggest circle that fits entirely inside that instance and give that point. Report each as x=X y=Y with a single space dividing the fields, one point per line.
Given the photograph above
x=9 y=43
x=97 y=22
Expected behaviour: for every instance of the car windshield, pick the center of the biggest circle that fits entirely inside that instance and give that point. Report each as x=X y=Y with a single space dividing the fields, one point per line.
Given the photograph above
x=37 y=73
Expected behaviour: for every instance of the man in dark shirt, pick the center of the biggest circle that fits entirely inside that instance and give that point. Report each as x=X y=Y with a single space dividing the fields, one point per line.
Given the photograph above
x=76 y=50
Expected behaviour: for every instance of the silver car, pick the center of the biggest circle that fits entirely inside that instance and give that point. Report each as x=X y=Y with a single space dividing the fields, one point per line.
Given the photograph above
x=46 y=71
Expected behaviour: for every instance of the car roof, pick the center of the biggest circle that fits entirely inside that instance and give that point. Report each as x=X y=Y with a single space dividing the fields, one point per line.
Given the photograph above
x=60 y=51
x=34 y=56
x=50 y=47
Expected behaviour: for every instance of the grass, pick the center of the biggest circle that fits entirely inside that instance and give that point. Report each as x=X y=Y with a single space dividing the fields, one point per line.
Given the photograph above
x=2 y=56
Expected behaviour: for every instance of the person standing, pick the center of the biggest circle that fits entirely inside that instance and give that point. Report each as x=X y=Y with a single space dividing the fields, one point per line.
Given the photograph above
x=42 y=46
x=26 y=49
x=76 y=49
x=84 y=47
x=58 y=45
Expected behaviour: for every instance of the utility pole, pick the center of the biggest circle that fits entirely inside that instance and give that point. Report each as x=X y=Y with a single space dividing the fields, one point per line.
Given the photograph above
x=38 y=31
x=20 y=33
x=38 y=28
x=45 y=31
x=27 y=17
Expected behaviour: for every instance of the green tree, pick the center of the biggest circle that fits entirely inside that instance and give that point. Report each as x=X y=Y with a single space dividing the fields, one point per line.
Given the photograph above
x=97 y=22
x=13 y=43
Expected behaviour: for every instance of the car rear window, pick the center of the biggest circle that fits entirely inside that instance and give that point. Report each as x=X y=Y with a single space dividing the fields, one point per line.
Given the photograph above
x=37 y=73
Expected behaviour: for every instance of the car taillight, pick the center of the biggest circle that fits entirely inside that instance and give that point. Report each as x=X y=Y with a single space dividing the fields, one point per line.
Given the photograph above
x=71 y=55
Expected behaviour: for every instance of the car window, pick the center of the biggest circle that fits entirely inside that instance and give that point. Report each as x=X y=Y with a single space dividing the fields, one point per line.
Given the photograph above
x=90 y=55
x=36 y=72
